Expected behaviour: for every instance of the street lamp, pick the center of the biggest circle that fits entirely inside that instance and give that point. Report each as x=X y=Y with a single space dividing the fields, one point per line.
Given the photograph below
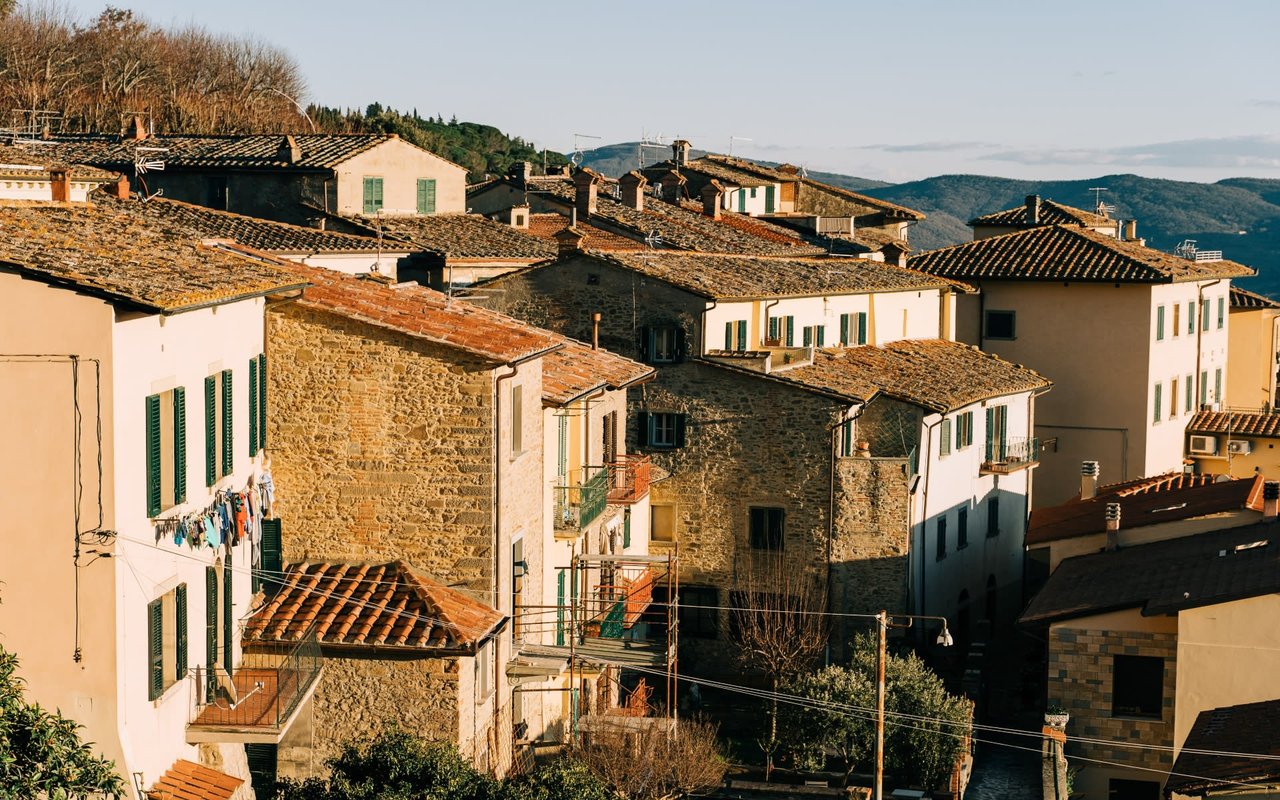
x=883 y=623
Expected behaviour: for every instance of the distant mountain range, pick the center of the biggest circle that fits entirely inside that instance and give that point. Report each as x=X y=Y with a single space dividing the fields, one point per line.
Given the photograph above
x=1239 y=216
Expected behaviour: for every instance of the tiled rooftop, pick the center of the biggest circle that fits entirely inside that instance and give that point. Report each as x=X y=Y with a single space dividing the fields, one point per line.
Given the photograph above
x=249 y=151
x=186 y=780
x=111 y=252
x=462 y=236
x=1067 y=253
x=1243 y=298
x=21 y=162
x=426 y=314
x=375 y=606
x=1051 y=213
x=576 y=370
x=546 y=226
x=731 y=276
x=1234 y=735
x=936 y=374
x=738 y=171
x=1164 y=577
x=856 y=201
x=260 y=234
x=1146 y=501
x=1237 y=423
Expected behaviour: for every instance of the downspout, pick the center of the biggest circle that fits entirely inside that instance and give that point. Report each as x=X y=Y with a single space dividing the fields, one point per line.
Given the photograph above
x=925 y=456
x=496 y=664
x=767 y=306
x=831 y=502
x=705 y=309
x=1199 y=334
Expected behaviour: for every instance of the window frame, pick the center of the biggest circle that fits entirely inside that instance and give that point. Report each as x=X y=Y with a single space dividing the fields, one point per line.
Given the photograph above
x=1130 y=669
x=171 y=610
x=944 y=438
x=427 y=183
x=1156 y=403
x=165 y=450
x=987 y=316
x=1159 y=323
x=940 y=538
x=993 y=516
x=769 y=536
x=372 y=185
x=962 y=527
x=667 y=509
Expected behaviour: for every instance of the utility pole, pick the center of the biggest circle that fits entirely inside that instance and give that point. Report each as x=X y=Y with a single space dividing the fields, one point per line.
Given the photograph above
x=882 y=628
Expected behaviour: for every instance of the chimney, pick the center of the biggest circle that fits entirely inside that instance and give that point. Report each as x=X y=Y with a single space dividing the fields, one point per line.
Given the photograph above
x=680 y=152
x=518 y=217
x=711 y=194
x=137 y=129
x=569 y=241
x=1270 y=499
x=59 y=184
x=595 y=330
x=289 y=151
x=520 y=172
x=673 y=186
x=585 y=183
x=118 y=189
x=1033 y=209
x=1113 y=525
x=1131 y=230
x=633 y=185
x=1089 y=479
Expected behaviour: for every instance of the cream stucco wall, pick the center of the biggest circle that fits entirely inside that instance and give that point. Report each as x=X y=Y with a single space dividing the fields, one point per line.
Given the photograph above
x=400 y=165
x=41 y=189
x=359 y=263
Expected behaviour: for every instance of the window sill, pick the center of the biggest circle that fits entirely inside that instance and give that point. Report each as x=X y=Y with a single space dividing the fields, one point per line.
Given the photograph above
x=1137 y=718
x=167 y=693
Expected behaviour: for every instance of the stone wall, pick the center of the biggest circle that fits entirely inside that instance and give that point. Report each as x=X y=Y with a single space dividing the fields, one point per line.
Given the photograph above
x=891 y=427
x=382 y=446
x=1080 y=680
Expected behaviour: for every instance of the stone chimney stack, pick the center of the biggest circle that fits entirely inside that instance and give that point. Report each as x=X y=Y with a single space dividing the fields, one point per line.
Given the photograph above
x=680 y=152
x=569 y=241
x=633 y=185
x=711 y=194
x=289 y=151
x=1131 y=230
x=1089 y=471
x=520 y=172
x=1033 y=209
x=59 y=184
x=137 y=130
x=518 y=217
x=1113 y=526
x=595 y=330
x=1270 y=499
x=118 y=189
x=673 y=186
x=586 y=184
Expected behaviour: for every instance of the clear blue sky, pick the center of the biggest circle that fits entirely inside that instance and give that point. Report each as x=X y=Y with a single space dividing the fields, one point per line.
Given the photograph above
x=891 y=90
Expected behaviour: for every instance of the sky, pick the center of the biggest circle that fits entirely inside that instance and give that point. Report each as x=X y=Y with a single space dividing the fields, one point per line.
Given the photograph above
x=895 y=91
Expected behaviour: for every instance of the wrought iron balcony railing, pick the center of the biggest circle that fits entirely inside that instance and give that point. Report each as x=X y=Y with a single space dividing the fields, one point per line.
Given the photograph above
x=582 y=498
x=1010 y=455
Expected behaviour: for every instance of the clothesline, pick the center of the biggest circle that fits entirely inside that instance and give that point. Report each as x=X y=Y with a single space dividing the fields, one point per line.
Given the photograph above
x=230 y=518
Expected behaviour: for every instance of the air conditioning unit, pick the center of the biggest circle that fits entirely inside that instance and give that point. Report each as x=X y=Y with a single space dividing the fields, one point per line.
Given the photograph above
x=1204 y=445
x=1239 y=447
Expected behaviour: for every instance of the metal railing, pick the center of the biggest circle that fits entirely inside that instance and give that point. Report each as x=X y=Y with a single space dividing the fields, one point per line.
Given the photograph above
x=269 y=686
x=1008 y=455
x=580 y=502
x=629 y=479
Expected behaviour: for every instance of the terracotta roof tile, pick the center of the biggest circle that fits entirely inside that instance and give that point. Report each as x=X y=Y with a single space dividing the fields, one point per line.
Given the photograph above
x=186 y=780
x=243 y=151
x=20 y=162
x=731 y=276
x=576 y=369
x=1164 y=577
x=1067 y=253
x=113 y=252
x=858 y=200
x=386 y=605
x=935 y=374
x=1051 y=213
x=546 y=226
x=462 y=236
x=1237 y=423
x=426 y=314
x=1234 y=733
x=738 y=171
x=1243 y=298
x=1146 y=501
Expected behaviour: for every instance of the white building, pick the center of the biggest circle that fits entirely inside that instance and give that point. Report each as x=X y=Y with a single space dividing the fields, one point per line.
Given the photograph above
x=132 y=365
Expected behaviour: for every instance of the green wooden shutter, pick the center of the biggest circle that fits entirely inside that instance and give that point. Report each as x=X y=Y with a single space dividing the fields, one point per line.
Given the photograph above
x=179 y=445
x=262 y=401
x=847 y=437
x=226 y=616
x=990 y=430
x=742 y=201
x=862 y=328
x=644 y=429
x=808 y=335
x=372 y=195
x=1159 y=323
x=263 y=760
x=728 y=336
x=844 y=330
x=155 y=649
x=153 y=455
x=1217 y=385
x=228 y=428
x=791 y=331
x=210 y=431
x=1191 y=317
x=680 y=419
x=1190 y=393
x=769 y=199
x=210 y=628
x=742 y=334
x=1159 y=391
x=1204 y=315
x=271 y=567
x=180 y=617
x=560 y=608
x=426 y=196
x=1221 y=310
x=822 y=335
x=562 y=448
x=944 y=437
x=1204 y=387
x=773 y=328
x=253 y=407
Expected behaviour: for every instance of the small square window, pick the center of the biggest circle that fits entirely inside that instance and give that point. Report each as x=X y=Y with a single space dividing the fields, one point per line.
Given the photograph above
x=1000 y=325
x=766 y=528
x=1137 y=686
x=662 y=523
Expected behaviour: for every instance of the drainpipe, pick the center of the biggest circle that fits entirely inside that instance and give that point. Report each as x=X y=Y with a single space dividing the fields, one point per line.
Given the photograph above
x=768 y=306
x=706 y=309
x=1200 y=333
x=924 y=507
x=497 y=528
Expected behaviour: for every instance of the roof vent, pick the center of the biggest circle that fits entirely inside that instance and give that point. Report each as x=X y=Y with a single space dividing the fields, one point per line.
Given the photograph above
x=1113 y=525
x=1089 y=471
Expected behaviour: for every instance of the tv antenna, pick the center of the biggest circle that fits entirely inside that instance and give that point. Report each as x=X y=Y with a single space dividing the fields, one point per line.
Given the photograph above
x=576 y=158
x=148 y=159
x=29 y=125
x=654 y=143
x=1099 y=206
x=733 y=139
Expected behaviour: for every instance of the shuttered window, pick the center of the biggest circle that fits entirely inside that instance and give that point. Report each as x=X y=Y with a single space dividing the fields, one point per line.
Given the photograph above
x=1217 y=385
x=228 y=429
x=1191 y=317
x=1190 y=393
x=153 y=455
x=210 y=628
x=180 y=617
x=844 y=330
x=1204 y=387
x=728 y=336
x=271 y=566
x=426 y=196
x=846 y=437
x=1204 y=314
x=661 y=429
x=166 y=641
x=626 y=528
x=560 y=583
x=517 y=420
x=155 y=649
x=1222 y=305
x=861 y=319
x=944 y=438
x=372 y=195
x=253 y=407
x=791 y=331
x=962 y=527
x=941 y=540
x=210 y=430
x=770 y=193
x=742 y=334
x=1159 y=323
x=773 y=329
x=1155 y=416
x=808 y=336
x=766 y=526
x=226 y=616
x=993 y=516
x=262 y=401
x=179 y=445
x=166 y=450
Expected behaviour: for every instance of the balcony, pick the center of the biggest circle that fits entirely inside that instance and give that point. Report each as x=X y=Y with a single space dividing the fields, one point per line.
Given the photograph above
x=1010 y=455
x=582 y=500
x=270 y=687
x=628 y=479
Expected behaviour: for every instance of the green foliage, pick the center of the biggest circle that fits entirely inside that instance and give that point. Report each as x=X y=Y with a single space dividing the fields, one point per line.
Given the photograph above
x=562 y=779
x=917 y=751
x=41 y=755
x=482 y=149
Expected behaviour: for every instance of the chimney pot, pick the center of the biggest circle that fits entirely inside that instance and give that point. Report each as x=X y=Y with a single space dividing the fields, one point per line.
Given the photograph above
x=673 y=186
x=520 y=172
x=595 y=330
x=633 y=187
x=1131 y=230
x=1113 y=525
x=680 y=152
x=59 y=185
x=1270 y=499
x=518 y=217
x=586 y=185
x=569 y=241
x=137 y=129
x=1033 y=209
x=711 y=194
x=1089 y=471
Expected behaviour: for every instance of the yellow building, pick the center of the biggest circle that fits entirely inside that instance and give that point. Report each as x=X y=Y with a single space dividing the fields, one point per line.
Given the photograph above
x=1254 y=344
x=1236 y=443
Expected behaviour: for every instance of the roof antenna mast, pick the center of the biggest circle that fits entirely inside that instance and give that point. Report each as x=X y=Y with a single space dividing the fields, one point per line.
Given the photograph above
x=577 y=148
x=1100 y=207
x=733 y=139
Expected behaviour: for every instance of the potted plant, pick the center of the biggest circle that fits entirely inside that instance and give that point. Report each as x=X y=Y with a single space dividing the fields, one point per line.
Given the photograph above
x=1056 y=717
